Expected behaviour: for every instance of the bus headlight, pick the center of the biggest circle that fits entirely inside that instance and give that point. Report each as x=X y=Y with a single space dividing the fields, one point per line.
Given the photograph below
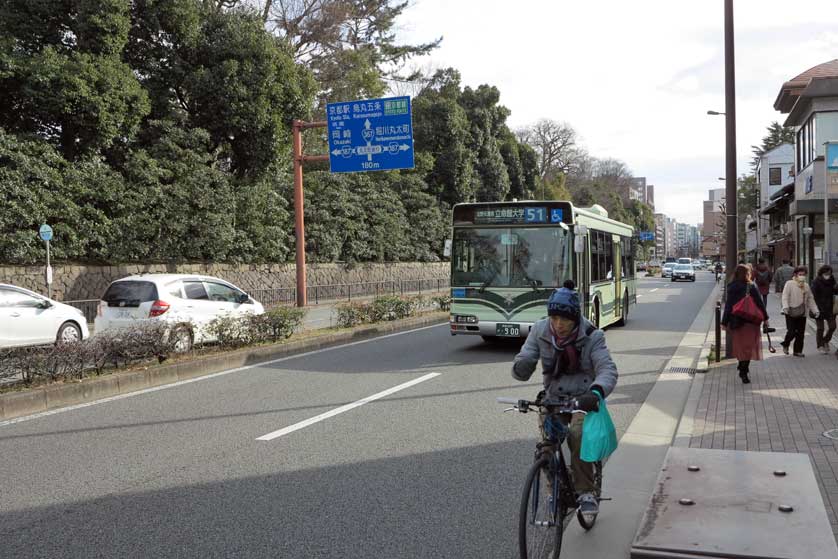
x=464 y=319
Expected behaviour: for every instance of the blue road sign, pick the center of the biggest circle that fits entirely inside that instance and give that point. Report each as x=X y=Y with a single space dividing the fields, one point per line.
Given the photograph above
x=370 y=135
x=646 y=236
x=45 y=232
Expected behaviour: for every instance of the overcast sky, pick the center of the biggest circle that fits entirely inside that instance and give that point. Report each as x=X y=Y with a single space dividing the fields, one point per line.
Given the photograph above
x=635 y=79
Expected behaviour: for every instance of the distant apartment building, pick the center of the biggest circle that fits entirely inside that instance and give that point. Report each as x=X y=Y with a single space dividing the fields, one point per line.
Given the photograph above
x=712 y=240
x=660 y=236
x=775 y=179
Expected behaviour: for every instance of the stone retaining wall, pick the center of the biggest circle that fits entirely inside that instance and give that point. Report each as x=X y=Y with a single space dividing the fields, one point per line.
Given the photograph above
x=74 y=282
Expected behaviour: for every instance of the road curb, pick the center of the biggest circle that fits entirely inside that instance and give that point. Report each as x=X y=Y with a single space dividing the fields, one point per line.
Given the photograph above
x=54 y=396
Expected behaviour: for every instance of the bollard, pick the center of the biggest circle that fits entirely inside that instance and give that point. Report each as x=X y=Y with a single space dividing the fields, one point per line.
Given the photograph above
x=718 y=330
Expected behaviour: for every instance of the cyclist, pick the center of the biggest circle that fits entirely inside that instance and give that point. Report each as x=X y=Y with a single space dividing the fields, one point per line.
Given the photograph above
x=718 y=271
x=575 y=363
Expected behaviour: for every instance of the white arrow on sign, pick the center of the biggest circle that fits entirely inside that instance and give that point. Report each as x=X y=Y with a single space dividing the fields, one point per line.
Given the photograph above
x=404 y=147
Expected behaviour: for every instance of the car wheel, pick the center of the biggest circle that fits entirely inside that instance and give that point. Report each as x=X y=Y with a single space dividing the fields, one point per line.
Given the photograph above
x=69 y=333
x=182 y=339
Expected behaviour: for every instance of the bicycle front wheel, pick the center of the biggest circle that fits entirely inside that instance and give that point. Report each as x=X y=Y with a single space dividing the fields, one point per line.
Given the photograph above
x=540 y=522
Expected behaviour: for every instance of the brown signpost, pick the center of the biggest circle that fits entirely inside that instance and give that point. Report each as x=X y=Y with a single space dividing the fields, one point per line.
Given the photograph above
x=297 y=128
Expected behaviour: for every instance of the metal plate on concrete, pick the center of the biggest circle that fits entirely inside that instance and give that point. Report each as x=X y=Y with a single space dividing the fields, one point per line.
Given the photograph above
x=737 y=508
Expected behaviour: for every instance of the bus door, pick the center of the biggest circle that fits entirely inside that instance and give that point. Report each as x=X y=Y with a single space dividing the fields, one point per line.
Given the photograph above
x=618 y=275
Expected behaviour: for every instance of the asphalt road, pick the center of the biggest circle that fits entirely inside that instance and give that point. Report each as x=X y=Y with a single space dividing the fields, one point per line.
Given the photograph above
x=433 y=470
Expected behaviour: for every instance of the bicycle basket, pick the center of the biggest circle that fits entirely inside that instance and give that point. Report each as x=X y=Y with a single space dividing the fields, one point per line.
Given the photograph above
x=554 y=430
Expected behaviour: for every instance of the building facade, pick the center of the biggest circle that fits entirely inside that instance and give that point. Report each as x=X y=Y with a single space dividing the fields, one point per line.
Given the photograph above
x=712 y=234
x=811 y=102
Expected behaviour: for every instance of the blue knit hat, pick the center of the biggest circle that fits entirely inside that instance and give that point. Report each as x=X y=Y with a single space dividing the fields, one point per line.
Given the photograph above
x=565 y=302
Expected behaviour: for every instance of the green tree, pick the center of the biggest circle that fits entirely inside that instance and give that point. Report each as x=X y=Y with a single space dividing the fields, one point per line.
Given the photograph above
x=487 y=124
x=62 y=77
x=441 y=130
x=350 y=45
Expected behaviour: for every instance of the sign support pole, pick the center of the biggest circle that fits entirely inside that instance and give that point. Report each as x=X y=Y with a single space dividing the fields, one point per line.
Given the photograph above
x=299 y=220
x=48 y=272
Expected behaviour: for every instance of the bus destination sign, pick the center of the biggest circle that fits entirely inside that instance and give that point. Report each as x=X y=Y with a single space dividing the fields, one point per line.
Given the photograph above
x=518 y=215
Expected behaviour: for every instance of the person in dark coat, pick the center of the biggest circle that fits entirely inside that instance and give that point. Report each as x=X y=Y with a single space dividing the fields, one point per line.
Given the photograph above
x=746 y=336
x=824 y=289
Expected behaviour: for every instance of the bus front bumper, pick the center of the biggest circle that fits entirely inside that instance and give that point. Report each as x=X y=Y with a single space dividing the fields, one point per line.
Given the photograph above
x=490 y=329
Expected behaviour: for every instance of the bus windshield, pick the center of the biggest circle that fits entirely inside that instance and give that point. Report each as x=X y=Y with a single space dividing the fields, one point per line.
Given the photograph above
x=511 y=257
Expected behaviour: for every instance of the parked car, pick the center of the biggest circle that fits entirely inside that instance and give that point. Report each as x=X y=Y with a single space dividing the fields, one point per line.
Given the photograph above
x=683 y=272
x=187 y=302
x=666 y=271
x=27 y=318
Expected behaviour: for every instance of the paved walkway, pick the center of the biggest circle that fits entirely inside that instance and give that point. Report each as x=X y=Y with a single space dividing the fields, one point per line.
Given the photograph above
x=787 y=407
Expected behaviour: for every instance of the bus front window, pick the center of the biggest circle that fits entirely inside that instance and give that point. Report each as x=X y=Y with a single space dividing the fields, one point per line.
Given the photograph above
x=511 y=257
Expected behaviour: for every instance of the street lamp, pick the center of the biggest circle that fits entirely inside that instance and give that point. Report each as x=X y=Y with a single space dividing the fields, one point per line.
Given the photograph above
x=715 y=113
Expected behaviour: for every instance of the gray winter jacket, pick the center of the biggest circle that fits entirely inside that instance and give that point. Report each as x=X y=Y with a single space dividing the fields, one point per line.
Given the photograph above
x=595 y=363
x=783 y=274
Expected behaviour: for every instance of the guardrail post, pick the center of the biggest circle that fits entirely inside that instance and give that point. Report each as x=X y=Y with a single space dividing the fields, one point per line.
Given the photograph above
x=349 y=291
x=718 y=319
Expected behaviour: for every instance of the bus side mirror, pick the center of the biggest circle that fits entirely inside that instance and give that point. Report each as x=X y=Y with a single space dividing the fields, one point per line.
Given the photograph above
x=579 y=244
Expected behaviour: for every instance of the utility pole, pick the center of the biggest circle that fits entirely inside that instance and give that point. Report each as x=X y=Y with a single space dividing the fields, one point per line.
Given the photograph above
x=730 y=156
x=297 y=128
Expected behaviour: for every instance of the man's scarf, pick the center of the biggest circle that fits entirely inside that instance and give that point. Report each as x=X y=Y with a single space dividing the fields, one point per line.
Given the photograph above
x=567 y=356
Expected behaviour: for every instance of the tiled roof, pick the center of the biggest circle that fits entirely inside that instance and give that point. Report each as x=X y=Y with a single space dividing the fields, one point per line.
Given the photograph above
x=792 y=89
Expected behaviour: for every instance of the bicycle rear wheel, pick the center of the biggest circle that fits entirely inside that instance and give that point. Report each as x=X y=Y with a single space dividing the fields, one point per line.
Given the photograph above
x=540 y=525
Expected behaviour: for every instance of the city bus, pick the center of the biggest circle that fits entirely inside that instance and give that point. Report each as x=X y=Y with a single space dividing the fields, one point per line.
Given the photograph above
x=508 y=257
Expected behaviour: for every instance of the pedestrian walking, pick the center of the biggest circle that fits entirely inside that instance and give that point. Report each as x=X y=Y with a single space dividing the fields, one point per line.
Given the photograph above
x=762 y=277
x=797 y=301
x=743 y=324
x=783 y=274
x=824 y=289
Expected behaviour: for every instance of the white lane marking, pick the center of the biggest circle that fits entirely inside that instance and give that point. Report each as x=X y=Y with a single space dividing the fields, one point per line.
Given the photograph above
x=213 y=375
x=653 y=290
x=341 y=409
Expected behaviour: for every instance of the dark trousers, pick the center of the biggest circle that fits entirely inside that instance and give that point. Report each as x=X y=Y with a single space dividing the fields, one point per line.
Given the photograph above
x=796 y=326
x=823 y=339
x=744 y=366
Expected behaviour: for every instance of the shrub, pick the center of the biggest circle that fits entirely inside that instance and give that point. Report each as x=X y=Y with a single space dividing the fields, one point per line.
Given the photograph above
x=274 y=325
x=353 y=314
x=442 y=302
x=384 y=308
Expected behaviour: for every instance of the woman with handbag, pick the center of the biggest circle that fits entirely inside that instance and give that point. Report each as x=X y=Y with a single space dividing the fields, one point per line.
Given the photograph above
x=744 y=311
x=824 y=290
x=797 y=301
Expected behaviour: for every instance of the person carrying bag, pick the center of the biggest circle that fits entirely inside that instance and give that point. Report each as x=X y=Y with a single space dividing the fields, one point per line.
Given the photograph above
x=744 y=311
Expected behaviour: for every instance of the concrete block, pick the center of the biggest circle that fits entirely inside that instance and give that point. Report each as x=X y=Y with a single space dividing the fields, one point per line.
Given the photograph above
x=166 y=374
x=16 y=404
x=132 y=381
x=100 y=387
x=66 y=394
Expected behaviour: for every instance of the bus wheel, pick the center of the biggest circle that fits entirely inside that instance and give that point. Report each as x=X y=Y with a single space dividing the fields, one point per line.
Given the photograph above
x=624 y=311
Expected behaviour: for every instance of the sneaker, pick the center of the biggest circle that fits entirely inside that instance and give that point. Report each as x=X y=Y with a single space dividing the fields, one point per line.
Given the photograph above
x=799 y=355
x=824 y=349
x=588 y=507
x=785 y=349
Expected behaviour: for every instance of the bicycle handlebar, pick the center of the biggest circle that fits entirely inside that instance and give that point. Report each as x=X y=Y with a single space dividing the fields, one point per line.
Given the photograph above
x=523 y=406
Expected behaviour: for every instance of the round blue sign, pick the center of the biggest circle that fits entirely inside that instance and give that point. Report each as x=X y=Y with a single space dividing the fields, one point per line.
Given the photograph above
x=45 y=232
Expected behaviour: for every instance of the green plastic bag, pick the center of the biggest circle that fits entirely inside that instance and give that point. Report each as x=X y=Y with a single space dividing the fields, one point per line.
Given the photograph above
x=599 y=438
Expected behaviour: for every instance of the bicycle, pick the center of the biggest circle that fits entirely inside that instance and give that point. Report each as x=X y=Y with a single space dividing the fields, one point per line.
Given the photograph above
x=546 y=508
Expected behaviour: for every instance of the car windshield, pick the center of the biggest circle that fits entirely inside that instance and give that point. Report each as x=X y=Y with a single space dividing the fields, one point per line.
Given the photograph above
x=511 y=257
x=683 y=268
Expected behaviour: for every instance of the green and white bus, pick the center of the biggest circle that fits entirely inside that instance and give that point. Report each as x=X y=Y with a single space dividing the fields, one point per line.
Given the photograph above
x=508 y=257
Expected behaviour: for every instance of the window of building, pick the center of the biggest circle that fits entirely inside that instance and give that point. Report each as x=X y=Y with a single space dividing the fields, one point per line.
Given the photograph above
x=775 y=176
x=805 y=144
x=826 y=130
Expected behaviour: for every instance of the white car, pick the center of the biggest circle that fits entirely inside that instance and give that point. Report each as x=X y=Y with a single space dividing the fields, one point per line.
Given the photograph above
x=187 y=302
x=666 y=271
x=27 y=318
x=683 y=272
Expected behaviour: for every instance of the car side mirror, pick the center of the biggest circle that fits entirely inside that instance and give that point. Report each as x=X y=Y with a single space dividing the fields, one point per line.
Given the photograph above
x=244 y=299
x=44 y=304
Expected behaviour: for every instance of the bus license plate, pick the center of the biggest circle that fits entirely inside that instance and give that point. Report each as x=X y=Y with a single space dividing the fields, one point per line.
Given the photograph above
x=509 y=330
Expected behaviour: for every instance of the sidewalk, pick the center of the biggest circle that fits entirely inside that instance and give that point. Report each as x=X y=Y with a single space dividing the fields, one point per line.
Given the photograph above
x=789 y=405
